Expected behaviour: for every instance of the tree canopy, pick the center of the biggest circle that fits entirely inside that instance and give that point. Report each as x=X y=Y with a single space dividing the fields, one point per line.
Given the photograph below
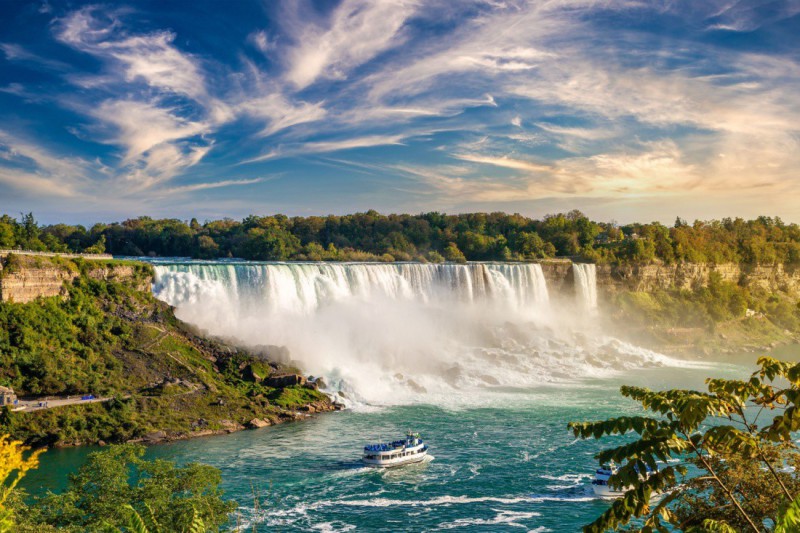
x=430 y=236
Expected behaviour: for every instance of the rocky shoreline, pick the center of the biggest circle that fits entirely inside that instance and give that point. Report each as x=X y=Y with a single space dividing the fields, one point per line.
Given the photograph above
x=303 y=413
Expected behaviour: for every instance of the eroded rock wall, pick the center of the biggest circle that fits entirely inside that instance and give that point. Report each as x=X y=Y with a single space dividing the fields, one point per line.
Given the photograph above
x=27 y=284
x=647 y=278
x=25 y=278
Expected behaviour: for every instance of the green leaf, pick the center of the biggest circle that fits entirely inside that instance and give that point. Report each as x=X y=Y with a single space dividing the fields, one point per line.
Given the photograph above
x=135 y=523
x=789 y=518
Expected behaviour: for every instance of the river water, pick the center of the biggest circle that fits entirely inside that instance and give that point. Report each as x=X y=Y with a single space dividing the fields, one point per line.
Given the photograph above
x=490 y=386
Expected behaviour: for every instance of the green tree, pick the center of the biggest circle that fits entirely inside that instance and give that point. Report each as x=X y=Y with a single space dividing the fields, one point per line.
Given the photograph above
x=452 y=253
x=117 y=480
x=741 y=483
x=98 y=247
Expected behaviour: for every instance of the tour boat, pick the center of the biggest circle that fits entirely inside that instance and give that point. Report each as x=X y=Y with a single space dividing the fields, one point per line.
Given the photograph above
x=400 y=452
x=600 y=481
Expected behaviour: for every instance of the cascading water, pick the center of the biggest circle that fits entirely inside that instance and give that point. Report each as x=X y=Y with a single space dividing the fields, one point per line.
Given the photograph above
x=393 y=332
x=585 y=275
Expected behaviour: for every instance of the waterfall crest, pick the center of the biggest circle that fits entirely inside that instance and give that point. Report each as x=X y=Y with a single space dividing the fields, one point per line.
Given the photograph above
x=305 y=287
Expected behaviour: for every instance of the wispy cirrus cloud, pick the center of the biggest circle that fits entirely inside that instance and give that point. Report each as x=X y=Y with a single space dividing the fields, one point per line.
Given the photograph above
x=158 y=140
x=355 y=32
x=491 y=103
x=183 y=189
x=279 y=113
x=319 y=147
x=31 y=169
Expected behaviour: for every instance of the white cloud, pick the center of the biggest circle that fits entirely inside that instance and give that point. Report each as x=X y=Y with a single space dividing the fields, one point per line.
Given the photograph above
x=505 y=162
x=157 y=143
x=210 y=185
x=151 y=57
x=357 y=31
x=318 y=147
x=280 y=113
x=140 y=126
x=15 y=52
x=32 y=169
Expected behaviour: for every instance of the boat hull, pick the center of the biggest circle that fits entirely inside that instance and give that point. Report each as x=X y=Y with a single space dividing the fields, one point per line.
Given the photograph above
x=604 y=491
x=391 y=463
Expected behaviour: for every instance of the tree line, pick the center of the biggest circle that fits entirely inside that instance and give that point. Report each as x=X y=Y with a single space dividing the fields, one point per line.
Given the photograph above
x=427 y=237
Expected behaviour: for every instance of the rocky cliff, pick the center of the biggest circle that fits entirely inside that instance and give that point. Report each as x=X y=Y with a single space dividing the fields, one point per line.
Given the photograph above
x=647 y=278
x=558 y=274
x=24 y=278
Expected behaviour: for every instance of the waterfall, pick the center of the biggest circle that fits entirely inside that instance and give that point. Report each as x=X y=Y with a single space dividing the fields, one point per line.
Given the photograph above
x=303 y=288
x=585 y=275
x=392 y=332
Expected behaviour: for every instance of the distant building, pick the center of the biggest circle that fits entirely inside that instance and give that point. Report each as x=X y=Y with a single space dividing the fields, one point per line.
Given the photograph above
x=7 y=396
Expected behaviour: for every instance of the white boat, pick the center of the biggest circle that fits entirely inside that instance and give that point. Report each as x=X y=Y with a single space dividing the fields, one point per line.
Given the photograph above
x=600 y=481
x=412 y=449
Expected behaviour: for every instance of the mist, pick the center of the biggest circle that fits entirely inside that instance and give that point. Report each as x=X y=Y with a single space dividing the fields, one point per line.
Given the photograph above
x=395 y=333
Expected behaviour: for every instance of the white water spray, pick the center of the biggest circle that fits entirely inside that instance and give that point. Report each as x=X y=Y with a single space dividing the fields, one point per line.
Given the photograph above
x=395 y=331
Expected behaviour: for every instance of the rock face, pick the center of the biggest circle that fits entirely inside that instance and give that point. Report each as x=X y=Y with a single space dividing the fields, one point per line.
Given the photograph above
x=30 y=283
x=558 y=274
x=25 y=278
x=647 y=278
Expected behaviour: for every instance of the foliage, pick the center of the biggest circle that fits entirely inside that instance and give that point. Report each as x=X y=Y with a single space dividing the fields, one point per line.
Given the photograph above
x=13 y=466
x=719 y=432
x=118 y=490
x=137 y=524
x=66 y=347
x=371 y=236
x=706 y=307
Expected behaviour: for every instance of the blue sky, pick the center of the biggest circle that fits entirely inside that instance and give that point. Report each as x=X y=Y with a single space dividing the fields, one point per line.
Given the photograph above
x=624 y=109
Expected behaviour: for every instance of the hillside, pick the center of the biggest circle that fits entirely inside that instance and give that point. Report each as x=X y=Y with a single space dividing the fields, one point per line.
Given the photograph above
x=103 y=335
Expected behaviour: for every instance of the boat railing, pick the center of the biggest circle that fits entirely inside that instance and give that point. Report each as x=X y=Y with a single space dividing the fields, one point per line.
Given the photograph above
x=388 y=447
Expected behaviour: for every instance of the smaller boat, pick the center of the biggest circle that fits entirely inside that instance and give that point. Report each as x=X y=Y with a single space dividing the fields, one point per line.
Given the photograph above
x=412 y=449
x=601 y=477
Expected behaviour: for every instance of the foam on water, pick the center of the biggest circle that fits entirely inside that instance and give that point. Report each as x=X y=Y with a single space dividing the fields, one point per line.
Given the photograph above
x=393 y=333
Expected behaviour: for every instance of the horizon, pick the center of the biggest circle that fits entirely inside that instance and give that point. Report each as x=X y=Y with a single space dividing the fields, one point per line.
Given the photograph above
x=628 y=111
x=187 y=220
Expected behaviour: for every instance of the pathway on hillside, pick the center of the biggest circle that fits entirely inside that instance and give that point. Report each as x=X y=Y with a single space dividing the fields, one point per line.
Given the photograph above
x=38 y=404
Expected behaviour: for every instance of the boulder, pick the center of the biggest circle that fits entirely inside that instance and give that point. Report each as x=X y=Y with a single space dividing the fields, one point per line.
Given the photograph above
x=258 y=423
x=155 y=436
x=285 y=380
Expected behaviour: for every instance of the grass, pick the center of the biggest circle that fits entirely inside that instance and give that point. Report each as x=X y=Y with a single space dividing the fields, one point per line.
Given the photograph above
x=296 y=396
